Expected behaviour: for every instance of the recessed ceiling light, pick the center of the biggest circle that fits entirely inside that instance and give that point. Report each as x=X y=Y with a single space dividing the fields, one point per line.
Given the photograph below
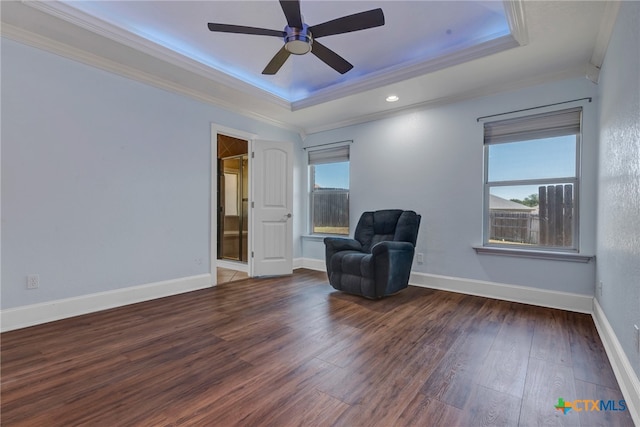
x=392 y=98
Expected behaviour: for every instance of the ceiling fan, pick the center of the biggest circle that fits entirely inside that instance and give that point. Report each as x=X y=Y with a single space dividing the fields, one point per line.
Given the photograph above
x=300 y=38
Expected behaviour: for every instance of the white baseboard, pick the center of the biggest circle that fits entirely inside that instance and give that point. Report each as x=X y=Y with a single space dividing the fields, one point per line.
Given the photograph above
x=313 y=264
x=35 y=314
x=522 y=294
x=541 y=297
x=626 y=376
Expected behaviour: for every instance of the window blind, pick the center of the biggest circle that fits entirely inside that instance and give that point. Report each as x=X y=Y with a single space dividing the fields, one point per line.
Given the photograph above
x=546 y=125
x=329 y=155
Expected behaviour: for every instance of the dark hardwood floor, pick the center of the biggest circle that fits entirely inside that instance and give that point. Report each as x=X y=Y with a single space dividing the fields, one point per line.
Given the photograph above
x=294 y=352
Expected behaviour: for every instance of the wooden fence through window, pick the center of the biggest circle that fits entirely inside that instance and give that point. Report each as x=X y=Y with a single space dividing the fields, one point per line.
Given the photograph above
x=330 y=209
x=514 y=227
x=551 y=226
x=556 y=215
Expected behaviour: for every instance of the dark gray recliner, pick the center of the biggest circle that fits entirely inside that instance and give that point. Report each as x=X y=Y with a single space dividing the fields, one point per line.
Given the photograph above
x=377 y=262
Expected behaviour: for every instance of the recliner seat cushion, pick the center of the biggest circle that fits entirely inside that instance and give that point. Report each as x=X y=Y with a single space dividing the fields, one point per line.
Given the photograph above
x=351 y=262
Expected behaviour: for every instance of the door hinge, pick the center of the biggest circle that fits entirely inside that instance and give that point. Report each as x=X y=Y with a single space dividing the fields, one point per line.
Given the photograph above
x=253 y=154
x=251 y=254
x=253 y=204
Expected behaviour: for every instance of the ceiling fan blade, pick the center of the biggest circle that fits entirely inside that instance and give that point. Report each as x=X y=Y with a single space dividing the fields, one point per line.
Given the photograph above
x=347 y=24
x=241 y=29
x=276 y=62
x=330 y=58
x=291 y=9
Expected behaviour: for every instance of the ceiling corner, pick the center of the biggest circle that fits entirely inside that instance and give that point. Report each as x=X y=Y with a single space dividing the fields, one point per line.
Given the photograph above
x=604 y=34
x=514 y=10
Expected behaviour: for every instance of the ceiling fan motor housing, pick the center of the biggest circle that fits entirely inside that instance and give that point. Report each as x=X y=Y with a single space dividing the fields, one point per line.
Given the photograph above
x=298 y=40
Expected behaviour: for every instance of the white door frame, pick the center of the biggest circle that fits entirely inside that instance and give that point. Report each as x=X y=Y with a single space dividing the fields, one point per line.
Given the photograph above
x=213 y=200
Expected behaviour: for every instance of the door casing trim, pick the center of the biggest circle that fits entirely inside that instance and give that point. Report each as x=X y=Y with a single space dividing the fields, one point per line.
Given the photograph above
x=213 y=200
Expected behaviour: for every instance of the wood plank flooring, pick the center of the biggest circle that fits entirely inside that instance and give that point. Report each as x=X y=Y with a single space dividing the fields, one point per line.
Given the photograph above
x=293 y=352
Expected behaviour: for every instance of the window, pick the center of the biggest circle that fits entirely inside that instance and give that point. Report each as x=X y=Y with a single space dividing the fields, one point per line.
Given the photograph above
x=532 y=181
x=329 y=190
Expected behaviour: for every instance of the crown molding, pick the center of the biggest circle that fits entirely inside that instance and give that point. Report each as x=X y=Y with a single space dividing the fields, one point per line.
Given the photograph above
x=406 y=71
x=576 y=72
x=23 y=36
x=602 y=40
x=32 y=39
x=127 y=38
x=514 y=10
x=606 y=30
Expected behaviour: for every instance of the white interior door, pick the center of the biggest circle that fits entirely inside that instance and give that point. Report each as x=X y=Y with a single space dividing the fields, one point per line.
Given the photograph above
x=272 y=189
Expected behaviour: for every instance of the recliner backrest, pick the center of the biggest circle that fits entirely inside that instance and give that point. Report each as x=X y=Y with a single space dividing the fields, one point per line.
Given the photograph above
x=387 y=225
x=407 y=227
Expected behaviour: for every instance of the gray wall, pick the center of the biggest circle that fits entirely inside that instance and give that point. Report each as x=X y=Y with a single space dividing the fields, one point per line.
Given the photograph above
x=105 y=181
x=431 y=160
x=619 y=181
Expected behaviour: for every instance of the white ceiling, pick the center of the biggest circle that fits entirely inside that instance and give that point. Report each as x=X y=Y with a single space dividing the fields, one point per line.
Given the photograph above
x=428 y=52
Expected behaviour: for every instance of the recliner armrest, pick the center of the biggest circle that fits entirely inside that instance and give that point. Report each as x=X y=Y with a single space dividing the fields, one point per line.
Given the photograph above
x=332 y=245
x=337 y=244
x=386 y=246
x=392 y=261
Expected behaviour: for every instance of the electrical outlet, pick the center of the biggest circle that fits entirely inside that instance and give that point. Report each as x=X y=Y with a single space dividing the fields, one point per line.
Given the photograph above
x=420 y=258
x=33 y=281
x=600 y=288
x=637 y=334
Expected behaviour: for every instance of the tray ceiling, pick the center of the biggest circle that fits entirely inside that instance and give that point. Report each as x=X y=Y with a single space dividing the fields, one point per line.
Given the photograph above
x=426 y=51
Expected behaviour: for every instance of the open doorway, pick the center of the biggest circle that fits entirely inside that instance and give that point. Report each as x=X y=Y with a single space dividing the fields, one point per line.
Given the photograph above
x=233 y=208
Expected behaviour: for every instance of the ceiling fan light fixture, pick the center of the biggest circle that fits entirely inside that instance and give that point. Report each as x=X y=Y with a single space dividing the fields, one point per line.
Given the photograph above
x=298 y=41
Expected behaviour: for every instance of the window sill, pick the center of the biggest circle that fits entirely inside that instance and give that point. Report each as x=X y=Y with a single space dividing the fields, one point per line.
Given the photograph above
x=522 y=253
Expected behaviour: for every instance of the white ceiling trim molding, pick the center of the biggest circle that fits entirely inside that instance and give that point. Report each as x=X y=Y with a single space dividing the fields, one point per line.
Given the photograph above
x=514 y=10
x=606 y=30
x=403 y=72
x=602 y=41
x=105 y=29
x=446 y=100
x=35 y=40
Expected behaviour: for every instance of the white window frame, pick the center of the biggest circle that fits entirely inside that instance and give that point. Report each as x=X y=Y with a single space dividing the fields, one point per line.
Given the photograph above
x=322 y=155
x=536 y=126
